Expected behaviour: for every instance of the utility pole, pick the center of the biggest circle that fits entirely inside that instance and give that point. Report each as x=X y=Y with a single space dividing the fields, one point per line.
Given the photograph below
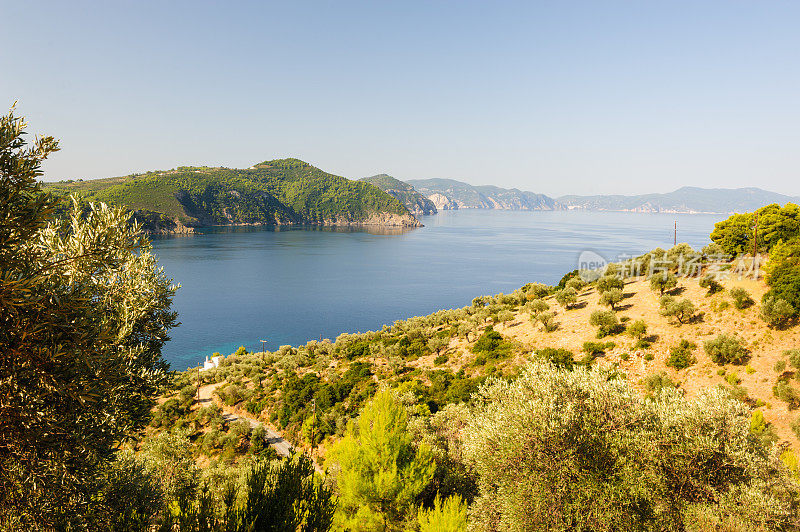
x=263 y=349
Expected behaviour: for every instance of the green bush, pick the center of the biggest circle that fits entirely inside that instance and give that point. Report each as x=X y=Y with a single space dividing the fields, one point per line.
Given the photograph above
x=793 y=355
x=741 y=299
x=710 y=283
x=726 y=349
x=597 y=348
x=548 y=321
x=786 y=393
x=537 y=306
x=562 y=358
x=605 y=321
x=637 y=329
x=776 y=312
x=663 y=462
x=491 y=344
x=656 y=382
x=681 y=356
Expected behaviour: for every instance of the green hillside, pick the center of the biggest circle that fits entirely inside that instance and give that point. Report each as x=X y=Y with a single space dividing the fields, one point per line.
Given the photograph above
x=405 y=193
x=283 y=191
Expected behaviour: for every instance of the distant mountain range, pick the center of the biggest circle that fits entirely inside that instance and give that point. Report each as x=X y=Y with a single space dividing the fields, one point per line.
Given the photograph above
x=451 y=194
x=415 y=202
x=683 y=200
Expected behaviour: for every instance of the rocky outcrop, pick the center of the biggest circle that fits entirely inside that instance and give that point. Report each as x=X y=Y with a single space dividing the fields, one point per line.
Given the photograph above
x=448 y=194
x=443 y=203
x=378 y=218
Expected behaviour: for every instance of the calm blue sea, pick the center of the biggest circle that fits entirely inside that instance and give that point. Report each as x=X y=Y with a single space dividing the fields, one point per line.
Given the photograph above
x=288 y=286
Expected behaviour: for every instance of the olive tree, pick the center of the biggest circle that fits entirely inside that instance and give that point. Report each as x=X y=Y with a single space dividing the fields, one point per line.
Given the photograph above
x=612 y=298
x=567 y=297
x=582 y=450
x=85 y=312
x=663 y=281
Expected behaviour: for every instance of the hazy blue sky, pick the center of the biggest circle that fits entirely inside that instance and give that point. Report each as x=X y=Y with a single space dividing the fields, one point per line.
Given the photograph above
x=554 y=97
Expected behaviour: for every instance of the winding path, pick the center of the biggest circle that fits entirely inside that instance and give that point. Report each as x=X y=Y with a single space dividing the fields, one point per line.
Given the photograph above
x=206 y=396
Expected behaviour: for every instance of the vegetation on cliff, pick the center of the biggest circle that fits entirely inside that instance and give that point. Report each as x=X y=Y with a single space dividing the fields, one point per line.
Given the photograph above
x=284 y=191
x=415 y=202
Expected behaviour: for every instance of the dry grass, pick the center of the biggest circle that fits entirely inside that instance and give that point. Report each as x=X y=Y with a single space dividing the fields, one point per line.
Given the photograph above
x=765 y=345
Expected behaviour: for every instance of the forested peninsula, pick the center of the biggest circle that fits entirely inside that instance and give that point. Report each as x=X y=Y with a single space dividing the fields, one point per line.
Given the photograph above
x=277 y=192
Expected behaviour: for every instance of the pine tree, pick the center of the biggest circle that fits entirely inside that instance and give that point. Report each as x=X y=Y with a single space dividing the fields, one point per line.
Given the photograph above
x=381 y=471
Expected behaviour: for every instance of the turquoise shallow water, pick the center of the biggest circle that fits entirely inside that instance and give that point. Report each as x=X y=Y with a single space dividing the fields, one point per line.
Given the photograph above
x=289 y=286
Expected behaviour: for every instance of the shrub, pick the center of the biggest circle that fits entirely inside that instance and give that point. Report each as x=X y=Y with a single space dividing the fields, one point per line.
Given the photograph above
x=637 y=329
x=796 y=428
x=492 y=344
x=611 y=298
x=505 y=316
x=441 y=359
x=779 y=366
x=726 y=349
x=597 y=348
x=763 y=430
x=610 y=282
x=794 y=357
x=733 y=378
x=663 y=281
x=741 y=299
x=656 y=382
x=606 y=322
x=562 y=358
x=681 y=310
x=710 y=283
x=680 y=356
x=548 y=321
x=450 y=515
x=786 y=393
x=776 y=312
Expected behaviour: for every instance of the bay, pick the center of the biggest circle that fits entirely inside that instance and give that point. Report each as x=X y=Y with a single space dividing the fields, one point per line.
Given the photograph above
x=291 y=285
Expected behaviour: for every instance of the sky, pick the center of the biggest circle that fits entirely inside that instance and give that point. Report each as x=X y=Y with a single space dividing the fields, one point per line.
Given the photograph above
x=553 y=97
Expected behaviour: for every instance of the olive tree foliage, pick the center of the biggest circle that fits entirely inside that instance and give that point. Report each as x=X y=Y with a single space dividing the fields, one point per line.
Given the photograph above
x=84 y=312
x=583 y=450
x=380 y=470
x=663 y=281
x=610 y=282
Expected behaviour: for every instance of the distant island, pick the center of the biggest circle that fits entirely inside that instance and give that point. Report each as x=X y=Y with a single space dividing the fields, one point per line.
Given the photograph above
x=277 y=192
